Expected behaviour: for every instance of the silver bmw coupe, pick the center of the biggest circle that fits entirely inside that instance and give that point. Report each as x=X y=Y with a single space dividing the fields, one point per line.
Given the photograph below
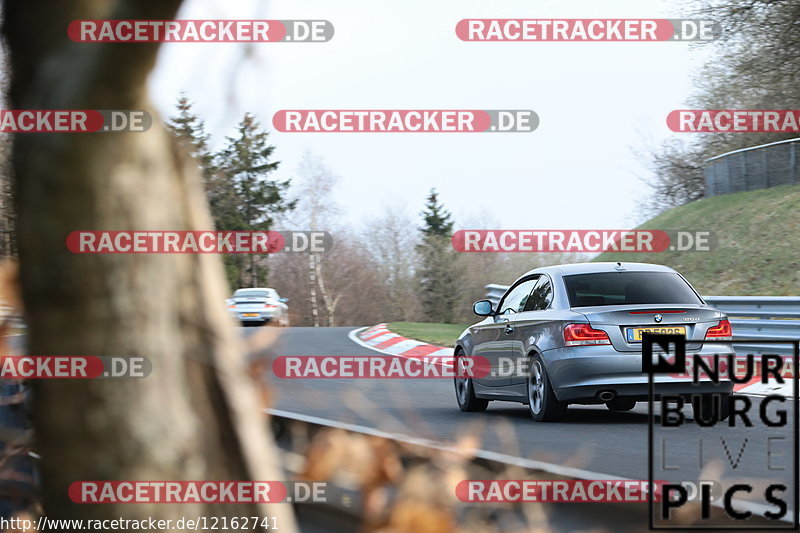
x=572 y=334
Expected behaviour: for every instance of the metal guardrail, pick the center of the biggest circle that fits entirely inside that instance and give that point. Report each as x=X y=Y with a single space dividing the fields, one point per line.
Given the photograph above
x=495 y=292
x=761 y=317
x=752 y=318
x=757 y=167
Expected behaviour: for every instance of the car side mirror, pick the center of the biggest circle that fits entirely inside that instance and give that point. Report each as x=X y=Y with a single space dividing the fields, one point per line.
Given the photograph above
x=283 y=300
x=483 y=308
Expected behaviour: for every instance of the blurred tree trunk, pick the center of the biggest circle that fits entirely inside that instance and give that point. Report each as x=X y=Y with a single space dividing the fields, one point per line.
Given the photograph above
x=197 y=416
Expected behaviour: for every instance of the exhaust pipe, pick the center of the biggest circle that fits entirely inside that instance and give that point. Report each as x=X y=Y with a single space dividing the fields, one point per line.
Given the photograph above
x=606 y=395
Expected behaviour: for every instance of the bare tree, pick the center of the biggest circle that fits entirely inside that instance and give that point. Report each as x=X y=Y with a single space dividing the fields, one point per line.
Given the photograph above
x=356 y=281
x=316 y=209
x=676 y=177
x=756 y=65
x=392 y=238
x=197 y=416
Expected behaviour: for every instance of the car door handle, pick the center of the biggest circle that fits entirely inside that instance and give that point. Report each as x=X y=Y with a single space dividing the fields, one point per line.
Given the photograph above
x=509 y=329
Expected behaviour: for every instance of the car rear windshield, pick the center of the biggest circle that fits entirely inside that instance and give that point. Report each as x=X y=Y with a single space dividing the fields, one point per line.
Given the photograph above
x=628 y=288
x=251 y=294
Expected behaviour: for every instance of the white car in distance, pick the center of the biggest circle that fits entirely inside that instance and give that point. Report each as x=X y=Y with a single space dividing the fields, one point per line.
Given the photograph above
x=259 y=306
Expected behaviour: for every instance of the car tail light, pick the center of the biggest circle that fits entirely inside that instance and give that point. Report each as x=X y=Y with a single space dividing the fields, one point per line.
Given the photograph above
x=721 y=331
x=270 y=306
x=584 y=335
x=665 y=312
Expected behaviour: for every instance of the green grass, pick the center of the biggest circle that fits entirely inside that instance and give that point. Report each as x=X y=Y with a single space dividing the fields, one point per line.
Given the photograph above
x=439 y=334
x=758 y=249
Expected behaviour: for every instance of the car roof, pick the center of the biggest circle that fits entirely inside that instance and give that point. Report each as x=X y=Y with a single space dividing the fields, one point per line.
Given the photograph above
x=592 y=268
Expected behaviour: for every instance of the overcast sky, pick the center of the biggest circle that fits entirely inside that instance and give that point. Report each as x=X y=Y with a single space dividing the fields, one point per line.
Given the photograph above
x=598 y=103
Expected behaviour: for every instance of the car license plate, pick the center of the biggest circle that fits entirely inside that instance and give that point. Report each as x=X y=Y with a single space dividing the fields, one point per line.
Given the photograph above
x=635 y=334
x=249 y=315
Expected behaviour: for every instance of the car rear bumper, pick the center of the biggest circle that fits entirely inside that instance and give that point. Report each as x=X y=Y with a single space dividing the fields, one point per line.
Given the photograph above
x=640 y=391
x=581 y=373
x=259 y=318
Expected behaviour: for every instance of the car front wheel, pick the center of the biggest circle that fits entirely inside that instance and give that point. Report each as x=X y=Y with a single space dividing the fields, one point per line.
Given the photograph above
x=542 y=401
x=465 y=392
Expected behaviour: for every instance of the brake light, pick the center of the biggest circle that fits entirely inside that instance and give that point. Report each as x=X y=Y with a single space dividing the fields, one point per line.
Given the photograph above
x=584 y=335
x=721 y=331
x=270 y=306
x=670 y=311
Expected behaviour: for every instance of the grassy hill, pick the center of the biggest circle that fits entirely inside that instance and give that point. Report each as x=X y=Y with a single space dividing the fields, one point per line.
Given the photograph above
x=758 y=249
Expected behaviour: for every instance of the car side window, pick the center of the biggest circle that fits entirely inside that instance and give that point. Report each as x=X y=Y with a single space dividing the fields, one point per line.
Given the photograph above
x=542 y=295
x=515 y=301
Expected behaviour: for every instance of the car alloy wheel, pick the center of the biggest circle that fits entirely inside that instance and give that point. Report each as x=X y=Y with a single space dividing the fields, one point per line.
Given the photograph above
x=542 y=401
x=462 y=382
x=536 y=387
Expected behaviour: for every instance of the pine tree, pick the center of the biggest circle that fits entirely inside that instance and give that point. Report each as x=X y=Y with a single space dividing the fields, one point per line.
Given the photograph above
x=438 y=222
x=240 y=194
x=439 y=272
x=245 y=166
x=191 y=133
x=190 y=130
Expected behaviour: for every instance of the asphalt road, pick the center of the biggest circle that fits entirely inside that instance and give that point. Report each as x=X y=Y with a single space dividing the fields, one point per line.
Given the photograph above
x=590 y=438
x=601 y=443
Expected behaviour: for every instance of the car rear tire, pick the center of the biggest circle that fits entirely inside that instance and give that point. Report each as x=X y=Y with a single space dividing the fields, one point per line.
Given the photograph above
x=542 y=402
x=465 y=392
x=621 y=404
x=704 y=408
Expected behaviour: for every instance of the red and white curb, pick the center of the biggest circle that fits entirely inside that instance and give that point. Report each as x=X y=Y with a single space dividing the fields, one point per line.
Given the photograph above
x=379 y=338
x=756 y=388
